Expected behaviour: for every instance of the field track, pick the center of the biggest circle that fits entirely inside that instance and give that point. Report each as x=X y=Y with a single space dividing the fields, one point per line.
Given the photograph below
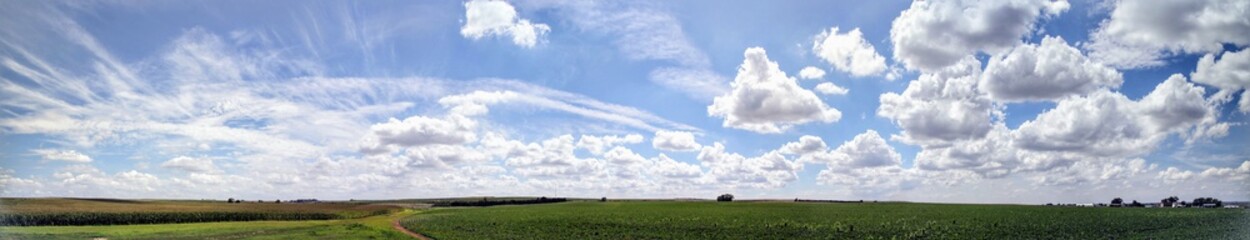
x=395 y=224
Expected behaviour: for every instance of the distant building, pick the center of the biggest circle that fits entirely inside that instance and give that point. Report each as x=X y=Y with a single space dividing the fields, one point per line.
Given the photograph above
x=1209 y=205
x=1232 y=206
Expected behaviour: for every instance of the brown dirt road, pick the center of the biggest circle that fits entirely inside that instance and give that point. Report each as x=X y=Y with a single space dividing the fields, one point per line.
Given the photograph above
x=395 y=224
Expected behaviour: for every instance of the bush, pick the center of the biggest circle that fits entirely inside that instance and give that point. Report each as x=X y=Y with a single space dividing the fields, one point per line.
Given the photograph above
x=725 y=198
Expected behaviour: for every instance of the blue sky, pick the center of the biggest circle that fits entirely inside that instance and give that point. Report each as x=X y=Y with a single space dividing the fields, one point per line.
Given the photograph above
x=946 y=101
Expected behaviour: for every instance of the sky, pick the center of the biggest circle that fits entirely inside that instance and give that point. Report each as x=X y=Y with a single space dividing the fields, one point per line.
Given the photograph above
x=1014 y=101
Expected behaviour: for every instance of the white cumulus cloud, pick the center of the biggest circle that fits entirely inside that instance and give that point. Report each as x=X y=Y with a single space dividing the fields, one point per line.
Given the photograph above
x=769 y=170
x=418 y=131
x=191 y=164
x=1230 y=73
x=675 y=141
x=72 y=156
x=848 y=52
x=811 y=72
x=934 y=34
x=596 y=144
x=829 y=88
x=1106 y=123
x=485 y=18
x=941 y=106
x=867 y=149
x=765 y=100
x=1049 y=71
x=1141 y=33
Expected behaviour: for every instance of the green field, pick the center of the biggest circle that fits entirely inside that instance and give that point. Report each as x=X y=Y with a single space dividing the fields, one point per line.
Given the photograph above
x=787 y=220
x=374 y=227
x=62 y=211
x=652 y=220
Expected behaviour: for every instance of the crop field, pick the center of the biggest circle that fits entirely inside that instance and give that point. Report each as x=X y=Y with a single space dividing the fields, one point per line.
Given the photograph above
x=373 y=227
x=55 y=211
x=788 y=220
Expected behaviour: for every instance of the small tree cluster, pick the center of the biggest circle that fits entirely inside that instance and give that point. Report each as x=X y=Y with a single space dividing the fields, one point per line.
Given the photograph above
x=725 y=198
x=1169 y=202
x=1200 y=202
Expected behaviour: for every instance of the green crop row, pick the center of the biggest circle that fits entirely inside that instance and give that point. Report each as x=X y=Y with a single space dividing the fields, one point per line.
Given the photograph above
x=116 y=218
x=712 y=220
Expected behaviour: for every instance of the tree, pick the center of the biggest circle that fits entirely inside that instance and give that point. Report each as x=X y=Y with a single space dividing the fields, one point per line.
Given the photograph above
x=1169 y=202
x=1117 y=202
x=277 y=201
x=725 y=198
x=1136 y=204
x=1202 y=201
x=231 y=200
x=604 y=199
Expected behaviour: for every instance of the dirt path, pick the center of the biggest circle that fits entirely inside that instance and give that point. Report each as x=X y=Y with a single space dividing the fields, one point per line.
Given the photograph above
x=395 y=224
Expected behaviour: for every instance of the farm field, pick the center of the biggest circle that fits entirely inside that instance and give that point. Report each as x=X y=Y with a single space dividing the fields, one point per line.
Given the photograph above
x=373 y=227
x=787 y=220
x=60 y=211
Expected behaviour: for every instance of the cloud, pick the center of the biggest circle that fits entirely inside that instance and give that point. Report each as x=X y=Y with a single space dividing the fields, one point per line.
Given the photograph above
x=696 y=82
x=439 y=157
x=867 y=149
x=418 y=131
x=811 y=72
x=522 y=94
x=190 y=164
x=87 y=179
x=669 y=168
x=1102 y=123
x=1049 y=71
x=498 y=18
x=867 y=165
x=71 y=156
x=596 y=144
x=991 y=156
x=1083 y=140
x=807 y=144
x=769 y=170
x=1109 y=124
x=1229 y=179
x=261 y=116
x=1135 y=36
x=677 y=141
x=551 y=158
x=1240 y=173
x=1176 y=105
x=1231 y=73
x=848 y=53
x=1095 y=173
x=828 y=88
x=765 y=100
x=931 y=35
x=645 y=32
x=941 y=106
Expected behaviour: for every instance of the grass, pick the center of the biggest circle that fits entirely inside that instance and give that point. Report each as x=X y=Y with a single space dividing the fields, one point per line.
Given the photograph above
x=783 y=220
x=374 y=227
x=61 y=211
